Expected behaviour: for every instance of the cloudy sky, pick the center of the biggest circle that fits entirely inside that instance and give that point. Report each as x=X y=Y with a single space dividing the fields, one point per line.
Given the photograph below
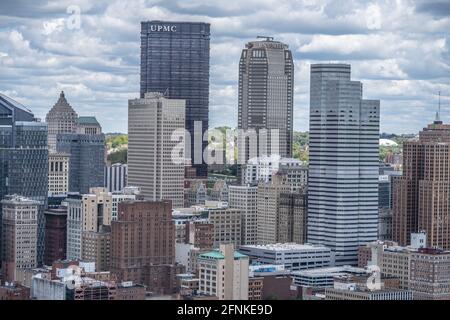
x=399 y=49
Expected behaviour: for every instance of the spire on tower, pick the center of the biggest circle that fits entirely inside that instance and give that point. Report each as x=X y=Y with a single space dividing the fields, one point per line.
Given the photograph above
x=438 y=113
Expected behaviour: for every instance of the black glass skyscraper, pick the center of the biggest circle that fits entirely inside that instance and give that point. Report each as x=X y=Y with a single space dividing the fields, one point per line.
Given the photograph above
x=24 y=159
x=175 y=61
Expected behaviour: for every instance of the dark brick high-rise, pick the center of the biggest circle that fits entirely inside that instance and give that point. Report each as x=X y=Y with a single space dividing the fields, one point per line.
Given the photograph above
x=175 y=61
x=55 y=235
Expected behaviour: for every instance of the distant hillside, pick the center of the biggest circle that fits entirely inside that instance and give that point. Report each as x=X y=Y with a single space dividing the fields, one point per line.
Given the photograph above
x=117 y=144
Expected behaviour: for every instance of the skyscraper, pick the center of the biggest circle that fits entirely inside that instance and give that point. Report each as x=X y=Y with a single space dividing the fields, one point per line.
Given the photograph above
x=175 y=61
x=420 y=195
x=87 y=160
x=143 y=245
x=152 y=163
x=61 y=118
x=19 y=235
x=24 y=159
x=343 y=163
x=266 y=91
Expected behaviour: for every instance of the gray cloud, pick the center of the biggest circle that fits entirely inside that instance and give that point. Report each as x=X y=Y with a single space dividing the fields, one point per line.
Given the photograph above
x=399 y=53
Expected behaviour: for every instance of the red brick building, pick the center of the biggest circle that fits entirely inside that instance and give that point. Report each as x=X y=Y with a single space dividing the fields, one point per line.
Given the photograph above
x=143 y=245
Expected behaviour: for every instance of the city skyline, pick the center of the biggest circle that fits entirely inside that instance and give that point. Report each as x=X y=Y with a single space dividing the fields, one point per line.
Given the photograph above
x=399 y=50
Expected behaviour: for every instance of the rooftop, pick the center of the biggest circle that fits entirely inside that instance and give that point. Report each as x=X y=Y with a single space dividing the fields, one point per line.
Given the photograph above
x=87 y=120
x=8 y=102
x=215 y=254
x=286 y=247
x=331 y=271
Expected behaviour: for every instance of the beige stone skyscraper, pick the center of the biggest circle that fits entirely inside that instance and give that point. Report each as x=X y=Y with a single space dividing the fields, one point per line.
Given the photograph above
x=156 y=147
x=87 y=214
x=19 y=235
x=61 y=118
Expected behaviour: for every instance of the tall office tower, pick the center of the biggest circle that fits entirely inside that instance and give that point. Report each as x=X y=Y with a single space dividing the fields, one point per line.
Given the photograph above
x=245 y=198
x=87 y=160
x=143 y=245
x=268 y=209
x=86 y=213
x=58 y=173
x=343 y=163
x=155 y=149
x=116 y=177
x=24 y=158
x=266 y=95
x=420 y=196
x=175 y=61
x=61 y=118
x=224 y=273
x=55 y=234
x=19 y=235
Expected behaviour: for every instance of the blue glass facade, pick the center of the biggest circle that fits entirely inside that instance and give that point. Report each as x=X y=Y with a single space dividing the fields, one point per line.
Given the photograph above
x=87 y=160
x=24 y=159
x=175 y=61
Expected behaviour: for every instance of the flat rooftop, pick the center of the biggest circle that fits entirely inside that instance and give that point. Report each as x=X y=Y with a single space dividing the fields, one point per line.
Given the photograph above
x=286 y=247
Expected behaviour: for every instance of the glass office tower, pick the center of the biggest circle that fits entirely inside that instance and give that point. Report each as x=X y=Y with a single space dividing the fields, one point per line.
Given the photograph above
x=343 y=163
x=175 y=62
x=24 y=159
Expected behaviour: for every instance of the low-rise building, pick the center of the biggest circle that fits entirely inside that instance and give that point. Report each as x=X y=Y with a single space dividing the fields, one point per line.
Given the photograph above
x=224 y=273
x=293 y=256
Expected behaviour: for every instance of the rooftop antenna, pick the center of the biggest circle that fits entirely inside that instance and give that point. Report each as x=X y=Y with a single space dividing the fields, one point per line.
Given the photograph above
x=265 y=37
x=438 y=113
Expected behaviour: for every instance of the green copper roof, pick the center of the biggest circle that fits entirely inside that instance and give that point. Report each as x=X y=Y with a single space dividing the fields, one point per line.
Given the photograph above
x=87 y=120
x=218 y=255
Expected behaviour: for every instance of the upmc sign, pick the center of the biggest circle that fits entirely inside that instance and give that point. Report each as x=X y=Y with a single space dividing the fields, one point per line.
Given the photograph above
x=159 y=28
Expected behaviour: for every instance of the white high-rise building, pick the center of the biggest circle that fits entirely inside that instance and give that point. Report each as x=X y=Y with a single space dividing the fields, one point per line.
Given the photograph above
x=156 y=147
x=343 y=163
x=245 y=198
x=58 y=173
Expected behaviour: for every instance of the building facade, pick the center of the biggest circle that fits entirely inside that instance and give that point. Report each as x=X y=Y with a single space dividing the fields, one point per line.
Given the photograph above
x=55 y=235
x=155 y=160
x=293 y=256
x=87 y=160
x=419 y=195
x=226 y=225
x=265 y=100
x=175 y=62
x=224 y=273
x=24 y=159
x=19 y=235
x=61 y=118
x=116 y=177
x=58 y=173
x=343 y=163
x=245 y=199
x=143 y=245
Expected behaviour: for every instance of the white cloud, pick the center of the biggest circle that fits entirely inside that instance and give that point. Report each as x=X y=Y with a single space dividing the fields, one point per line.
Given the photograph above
x=399 y=50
